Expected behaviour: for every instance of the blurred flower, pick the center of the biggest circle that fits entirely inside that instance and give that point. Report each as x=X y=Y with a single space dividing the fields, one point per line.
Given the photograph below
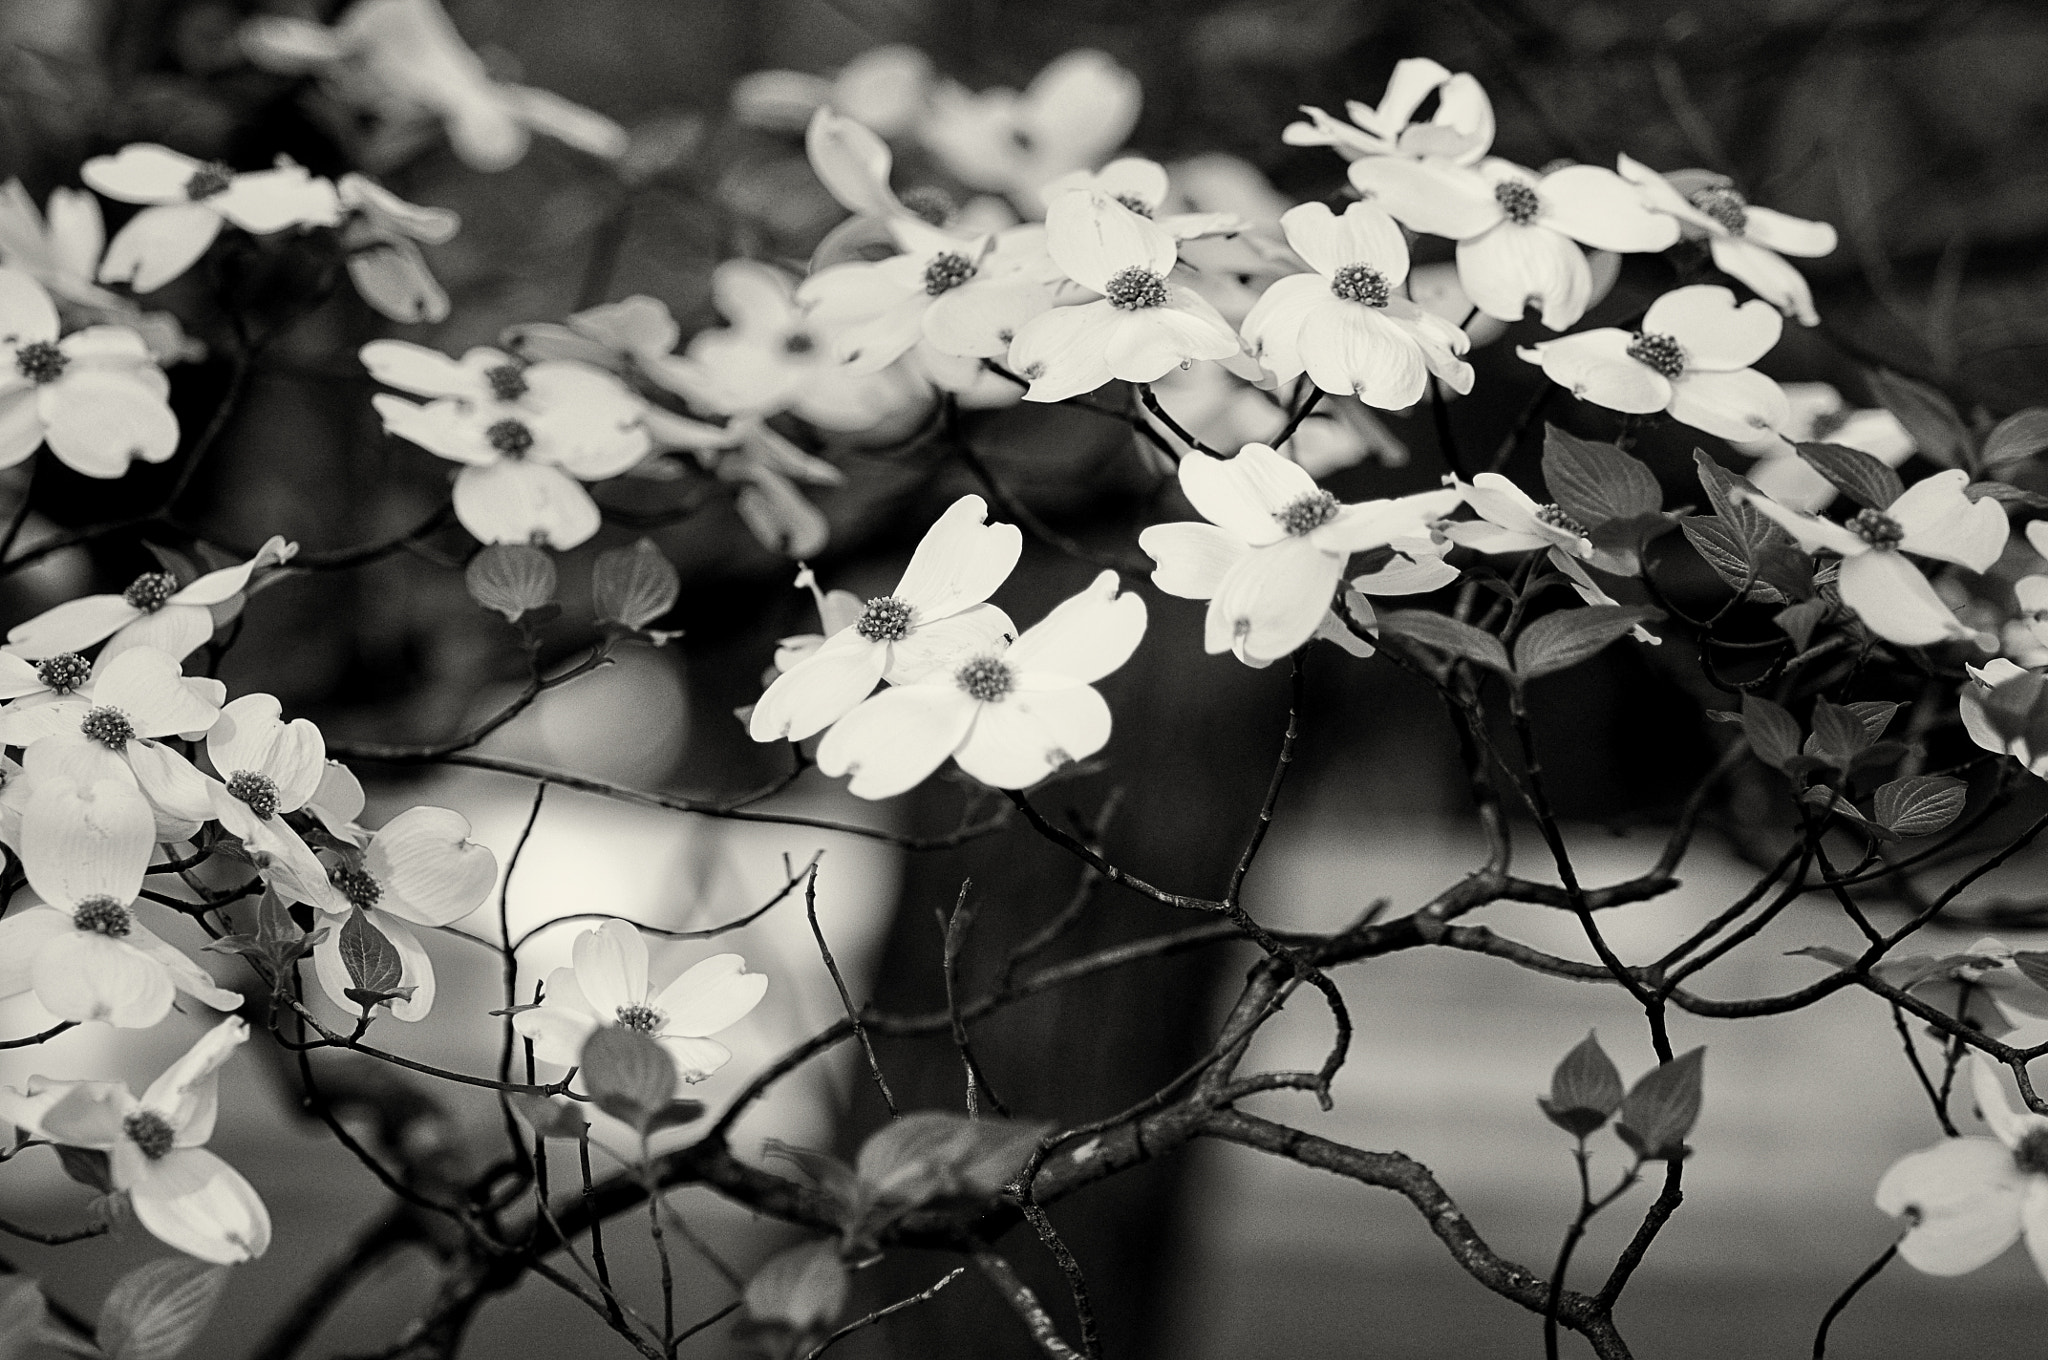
x=608 y=986
x=64 y=256
x=189 y=201
x=1987 y=679
x=155 y=611
x=94 y=396
x=1074 y=113
x=2032 y=591
x=1691 y=358
x=1460 y=131
x=1010 y=713
x=937 y=610
x=381 y=237
x=1746 y=241
x=1820 y=414
x=186 y=1196
x=885 y=88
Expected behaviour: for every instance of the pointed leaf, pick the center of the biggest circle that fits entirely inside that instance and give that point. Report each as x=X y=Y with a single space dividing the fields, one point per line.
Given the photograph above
x=634 y=586
x=1724 y=549
x=1661 y=1109
x=1930 y=417
x=511 y=578
x=2015 y=439
x=372 y=961
x=1856 y=474
x=1772 y=732
x=1585 y=1089
x=1562 y=640
x=1595 y=483
x=156 y=1311
x=630 y=1076
x=1799 y=620
x=87 y=1166
x=1920 y=804
x=1876 y=714
x=1839 y=735
x=1441 y=633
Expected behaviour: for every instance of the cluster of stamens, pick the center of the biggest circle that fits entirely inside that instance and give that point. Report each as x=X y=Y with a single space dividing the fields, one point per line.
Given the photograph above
x=508 y=382
x=1555 y=516
x=2031 y=1156
x=357 y=885
x=510 y=437
x=1306 y=513
x=108 y=726
x=1660 y=352
x=645 y=1019
x=1135 y=289
x=932 y=204
x=1135 y=204
x=1360 y=283
x=1725 y=206
x=151 y=1133
x=102 y=916
x=1518 y=201
x=985 y=678
x=1877 y=529
x=151 y=591
x=256 y=789
x=40 y=362
x=886 y=619
x=63 y=672
x=798 y=342
x=209 y=179
x=946 y=272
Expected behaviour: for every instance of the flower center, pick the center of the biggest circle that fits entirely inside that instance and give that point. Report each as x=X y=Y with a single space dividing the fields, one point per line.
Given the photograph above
x=101 y=916
x=151 y=591
x=946 y=272
x=40 y=362
x=1660 y=352
x=150 y=1132
x=1135 y=204
x=934 y=205
x=508 y=382
x=510 y=437
x=209 y=179
x=109 y=727
x=1360 y=283
x=645 y=1019
x=256 y=789
x=1554 y=515
x=1725 y=206
x=1877 y=529
x=1134 y=289
x=798 y=342
x=2031 y=1156
x=886 y=619
x=63 y=672
x=1518 y=201
x=986 y=678
x=1305 y=513
x=357 y=885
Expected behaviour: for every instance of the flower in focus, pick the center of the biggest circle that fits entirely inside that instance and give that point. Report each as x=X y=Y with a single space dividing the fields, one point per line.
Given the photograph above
x=96 y=397
x=1460 y=131
x=381 y=237
x=1517 y=231
x=1346 y=325
x=1010 y=713
x=1140 y=328
x=188 y=201
x=154 y=611
x=1074 y=113
x=186 y=1196
x=937 y=610
x=526 y=435
x=1746 y=241
x=84 y=953
x=1934 y=518
x=1511 y=521
x=608 y=986
x=63 y=255
x=1691 y=358
x=1968 y=1199
x=1820 y=414
x=267 y=768
x=1274 y=548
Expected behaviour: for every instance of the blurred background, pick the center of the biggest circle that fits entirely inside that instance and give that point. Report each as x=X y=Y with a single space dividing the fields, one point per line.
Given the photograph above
x=1920 y=130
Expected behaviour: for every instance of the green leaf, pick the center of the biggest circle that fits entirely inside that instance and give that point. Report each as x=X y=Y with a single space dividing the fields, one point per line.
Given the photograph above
x=936 y=1154
x=1724 y=549
x=1938 y=432
x=634 y=586
x=156 y=1311
x=1827 y=800
x=1920 y=804
x=629 y=1075
x=801 y=1292
x=1839 y=735
x=1856 y=474
x=1594 y=482
x=2015 y=439
x=1875 y=714
x=372 y=961
x=88 y=1166
x=1773 y=734
x=1562 y=640
x=1799 y=620
x=511 y=578
x=1442 y=633
x=1585 y=1089
x=1660 y=1110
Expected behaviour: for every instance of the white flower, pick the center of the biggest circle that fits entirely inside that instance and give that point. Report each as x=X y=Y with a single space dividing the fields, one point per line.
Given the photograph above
x=1511 y=521
x=419 y=869
x=1691 y=358
x=95 y=396
x=1516 y=230
x=1820 y=414
x=1142 y=326
x=189 y=202
x=155 y=611
x=63 y=255
x=381 y=239
x=2032 y=591
x=1347 y=324
x=884 y=87
x=1985 y=680
x=527 y=435
x=1746 y=241
x=186 y=1196
x=1010 y=713
x=1271 y=556
x=84 y=954
x=1142 y=186
x=1074 y=113
x=936 y=610
x=267 y=768
x=608 y=986
x=1934 y=518
x=1460 y=131
x=1968 y=1199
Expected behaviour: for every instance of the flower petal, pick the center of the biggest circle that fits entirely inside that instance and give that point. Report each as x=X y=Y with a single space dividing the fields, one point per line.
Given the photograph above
x=1425 y=196
x=709 y=996
x=816 y=692
x=431 y=872
x=1061 y=351
x=1966 y=1194
x=264 y=201
x=1504 y=269
x=1714 y=332
x=1029 y=733
x=148 y=686
x=70 y=627
x=611 y=968
x=1271 y=602
x=176 y=630
x=82 y=975
x=86 y=840
x=1365 y=234
x=1245 y=494
x=98 y=423
x=959 y=562
x=894 y=740
x=1595 y=366
x=558 y=1031
x=695 y=1059
x=1600 y=208
x=142 y=172
x=1739 y=405
x=26 y=313
x=194 y=1201
x=171 y=782
x=516 y=502
x=24 y=933
x=1085 y=637
x=158 y=244
x=186 y=1090
x=1788 y=235
x=1092 y=237
x=1351 y=350
x=932 y=647
x=1146 y=345
x=1940 y=521
x=1775 y=281
x=1895 y=602
x=1192 y=558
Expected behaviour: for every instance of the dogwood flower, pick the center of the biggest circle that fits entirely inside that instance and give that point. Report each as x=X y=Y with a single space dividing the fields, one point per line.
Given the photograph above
x=608 y=985
x=154 y=611
x=1074 y=113
x=189 y=201
x=184 y=1195
x=1934 y=518
x=1460 y=131
x=526 y=435
x=1140 y=328
x=1691 y=358
x=1346 y=325
x=2020 y=737
x=1517 y=231
x=1008 y=712
x=1746 y=241
x=884 y=88
x=84 y=953
x=1968 y=1199
x=94 y=396
x=1820 y=414
x=1511 y=521
x=418 y=869
x=267 y=768
x=63 y=255
x=1274 y=548
x=381 y=238
x=937 y=610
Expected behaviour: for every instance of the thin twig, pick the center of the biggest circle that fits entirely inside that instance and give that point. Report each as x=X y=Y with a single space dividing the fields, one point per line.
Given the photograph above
x=845 y=997
x=872 y=1318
